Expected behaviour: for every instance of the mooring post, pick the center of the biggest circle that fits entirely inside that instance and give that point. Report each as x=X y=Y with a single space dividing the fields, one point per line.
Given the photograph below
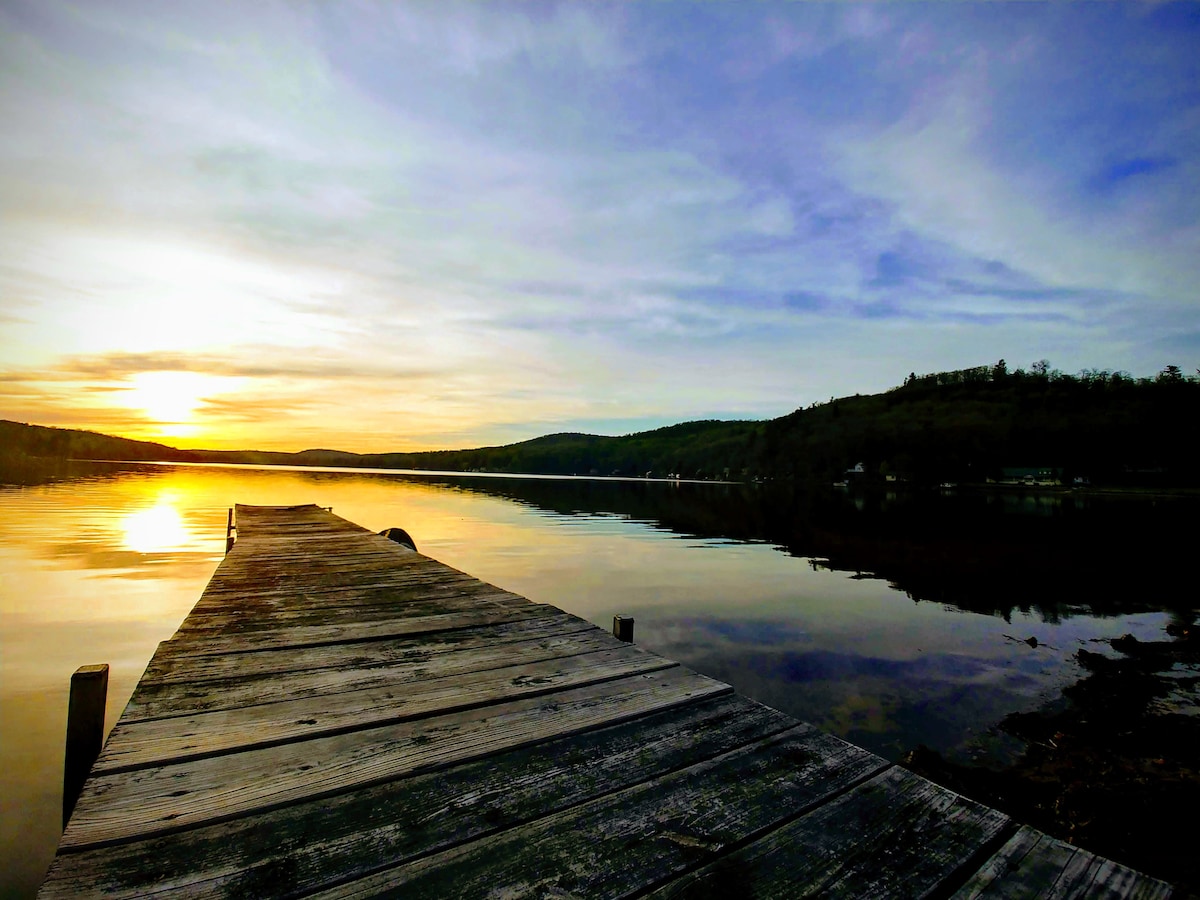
x=623 y=628
x=229 y=532
x=85 y=730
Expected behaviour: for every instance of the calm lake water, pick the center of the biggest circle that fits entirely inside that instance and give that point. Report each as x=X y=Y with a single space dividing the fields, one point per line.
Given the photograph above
x=890 y=620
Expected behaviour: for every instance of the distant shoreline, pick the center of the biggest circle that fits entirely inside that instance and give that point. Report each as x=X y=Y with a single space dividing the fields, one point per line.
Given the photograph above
x=388 y=471
x=873 y=487
x=1115 y=433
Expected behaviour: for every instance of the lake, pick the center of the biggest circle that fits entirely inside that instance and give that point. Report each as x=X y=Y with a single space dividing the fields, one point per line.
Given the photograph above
x=890 y=619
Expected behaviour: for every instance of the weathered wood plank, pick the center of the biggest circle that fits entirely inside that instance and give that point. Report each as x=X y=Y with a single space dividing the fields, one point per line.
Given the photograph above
x=325 y=563
x=301 y=546
x=266 y=591
x=897 y=835
x=257 y=557
x=268 y=606
x=219 y=641
x=321 y=556
x=415 y=668
x=1033 y=864
x=354 y=834
x=325 y=560
x=171 y=667
x=298 y=544
x=261 y=599
x=121 y=807
x=613 y=846
x=337 y=615
x=321 y=559
x=275 y=720
x=274 y=518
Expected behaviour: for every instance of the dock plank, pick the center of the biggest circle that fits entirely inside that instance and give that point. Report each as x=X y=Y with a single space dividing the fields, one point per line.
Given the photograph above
x=326 y=567
x=122 y=806
x=273 y=720
x=612 y=846
x=1033 y=864
x=357 y=833
x=897 y=835
x=205 y=641
x=349 y=615
x=168 y=667
x=263 y=598
x=175 y=698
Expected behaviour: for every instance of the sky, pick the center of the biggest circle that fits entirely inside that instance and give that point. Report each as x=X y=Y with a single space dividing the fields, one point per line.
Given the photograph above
x=405 y=226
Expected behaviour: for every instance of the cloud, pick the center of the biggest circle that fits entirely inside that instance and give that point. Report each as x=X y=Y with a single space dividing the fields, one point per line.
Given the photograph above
x=941 y=185
x=451 y=219
x=255 y=408
x=261 y=362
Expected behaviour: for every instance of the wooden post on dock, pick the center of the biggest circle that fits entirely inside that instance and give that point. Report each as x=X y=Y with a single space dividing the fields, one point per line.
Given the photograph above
x=229 y=532
x=623 y=628
x=85 y=730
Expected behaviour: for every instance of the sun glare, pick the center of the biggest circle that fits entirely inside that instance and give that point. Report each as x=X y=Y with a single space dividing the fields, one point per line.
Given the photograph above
x=169 y=398
x=154 y=529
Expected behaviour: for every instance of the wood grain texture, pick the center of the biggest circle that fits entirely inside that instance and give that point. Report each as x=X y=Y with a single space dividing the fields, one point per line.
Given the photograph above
x=219 y=641
x=897 y=835
x=272 y=720
x=241 y=623
x=171 y=667
x=353 y=834
x=418 y=672
x=1032 y=864
x=127 y=805
x=613 y=846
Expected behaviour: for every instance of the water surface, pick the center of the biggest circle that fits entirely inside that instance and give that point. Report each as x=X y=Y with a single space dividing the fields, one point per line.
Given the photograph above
x=892 y=621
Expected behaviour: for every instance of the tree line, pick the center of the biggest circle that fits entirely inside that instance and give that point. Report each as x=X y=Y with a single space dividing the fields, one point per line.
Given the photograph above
x=961 y=425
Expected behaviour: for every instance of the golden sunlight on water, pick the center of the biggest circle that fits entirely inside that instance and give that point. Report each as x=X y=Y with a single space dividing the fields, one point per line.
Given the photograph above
x=155 y=529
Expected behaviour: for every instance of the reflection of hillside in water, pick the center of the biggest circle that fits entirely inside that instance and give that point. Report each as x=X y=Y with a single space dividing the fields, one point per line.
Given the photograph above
x=1053 y=554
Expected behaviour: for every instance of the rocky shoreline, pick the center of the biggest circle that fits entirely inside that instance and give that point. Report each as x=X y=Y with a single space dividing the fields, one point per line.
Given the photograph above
x=1114 y=767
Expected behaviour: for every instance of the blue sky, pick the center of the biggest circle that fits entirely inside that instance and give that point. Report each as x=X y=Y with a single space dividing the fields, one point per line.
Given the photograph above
x=393 y=226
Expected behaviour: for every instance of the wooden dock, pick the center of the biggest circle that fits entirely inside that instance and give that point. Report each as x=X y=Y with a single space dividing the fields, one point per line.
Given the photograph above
x=340 y=716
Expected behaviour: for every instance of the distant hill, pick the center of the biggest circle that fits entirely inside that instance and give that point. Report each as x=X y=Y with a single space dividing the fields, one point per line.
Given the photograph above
x=966 y=425
x=972 y=424
x=18 y=439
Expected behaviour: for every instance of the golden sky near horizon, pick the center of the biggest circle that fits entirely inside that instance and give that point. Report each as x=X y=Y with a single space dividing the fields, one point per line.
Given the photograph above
x=414 y=226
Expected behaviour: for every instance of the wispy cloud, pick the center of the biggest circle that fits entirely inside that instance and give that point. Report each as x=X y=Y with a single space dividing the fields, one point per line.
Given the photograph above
x=399 y=224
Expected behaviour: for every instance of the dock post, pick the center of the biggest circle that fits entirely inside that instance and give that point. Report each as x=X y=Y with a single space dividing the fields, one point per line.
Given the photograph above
x=85 y=730
x=623 y=628
x=229 y=532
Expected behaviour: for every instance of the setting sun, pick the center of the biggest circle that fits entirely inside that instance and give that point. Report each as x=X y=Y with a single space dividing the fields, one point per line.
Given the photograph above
x=169 y=398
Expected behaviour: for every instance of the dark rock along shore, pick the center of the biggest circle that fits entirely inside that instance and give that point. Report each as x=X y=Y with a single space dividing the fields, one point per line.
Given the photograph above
x=1115 y=768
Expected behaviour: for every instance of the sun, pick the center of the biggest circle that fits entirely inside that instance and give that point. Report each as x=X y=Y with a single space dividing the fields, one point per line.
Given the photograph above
x=169 y=398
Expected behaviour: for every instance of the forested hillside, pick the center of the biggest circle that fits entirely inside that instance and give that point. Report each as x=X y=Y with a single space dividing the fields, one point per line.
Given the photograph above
x=973 y=423
x=20 y=440
x=966 y=425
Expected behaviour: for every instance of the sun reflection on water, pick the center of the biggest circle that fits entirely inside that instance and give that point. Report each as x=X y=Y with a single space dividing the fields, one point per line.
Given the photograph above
x=155 y=529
